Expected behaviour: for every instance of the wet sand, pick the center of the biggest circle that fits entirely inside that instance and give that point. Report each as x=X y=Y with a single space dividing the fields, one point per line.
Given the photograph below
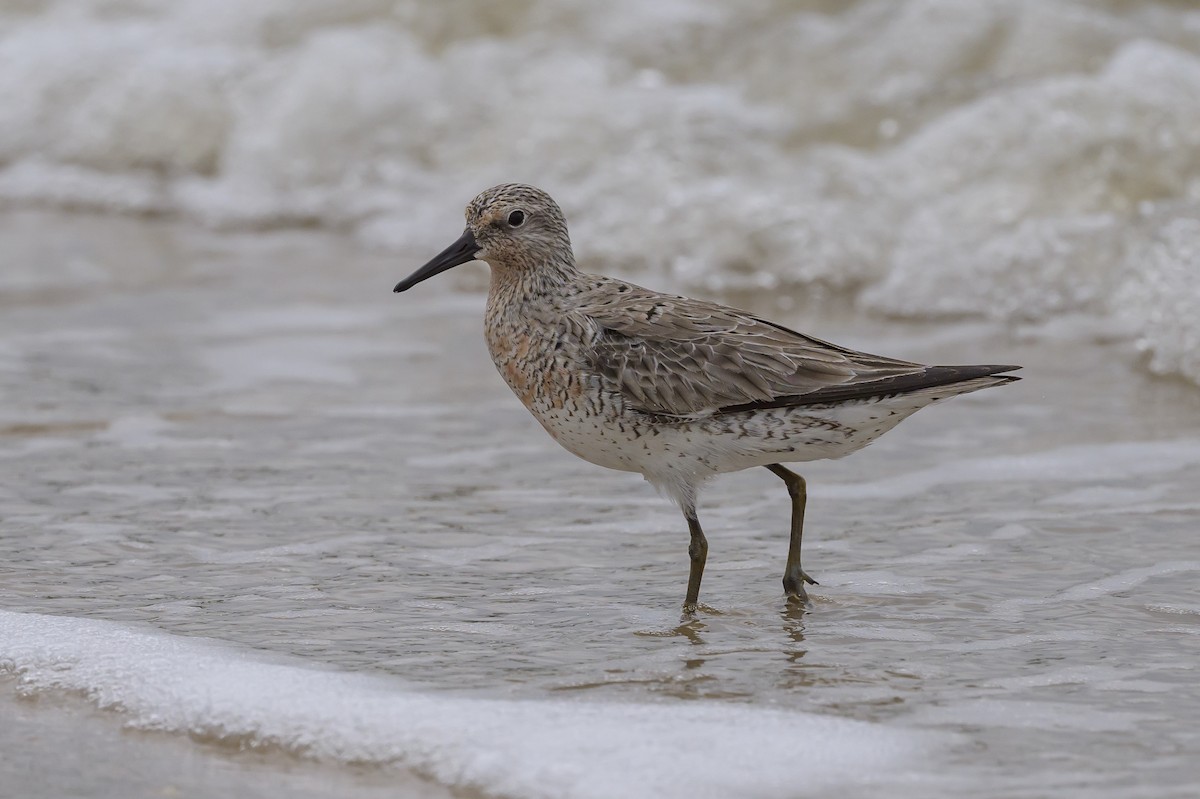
x=63 y=747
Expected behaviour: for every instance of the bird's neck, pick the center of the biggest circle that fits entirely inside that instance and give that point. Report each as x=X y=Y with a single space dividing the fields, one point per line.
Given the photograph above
x=513 y=283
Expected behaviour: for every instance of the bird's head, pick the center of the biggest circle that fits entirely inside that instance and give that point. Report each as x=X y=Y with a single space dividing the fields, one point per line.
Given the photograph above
x=511 y=226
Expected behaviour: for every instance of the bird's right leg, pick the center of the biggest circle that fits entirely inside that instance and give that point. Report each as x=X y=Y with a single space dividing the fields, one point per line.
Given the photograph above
x=794 y=577
x=698 y=553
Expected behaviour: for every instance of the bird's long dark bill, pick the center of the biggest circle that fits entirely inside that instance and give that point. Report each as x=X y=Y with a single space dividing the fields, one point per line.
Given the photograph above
x=460 y=252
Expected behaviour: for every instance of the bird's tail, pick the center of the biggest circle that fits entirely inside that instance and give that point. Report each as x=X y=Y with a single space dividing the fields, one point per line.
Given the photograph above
x=932 y=381
x=950 y=381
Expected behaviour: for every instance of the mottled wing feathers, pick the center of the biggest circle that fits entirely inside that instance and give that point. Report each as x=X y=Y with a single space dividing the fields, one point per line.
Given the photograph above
x=683 y=357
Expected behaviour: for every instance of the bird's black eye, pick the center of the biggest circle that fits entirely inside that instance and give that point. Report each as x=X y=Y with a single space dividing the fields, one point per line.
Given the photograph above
x=516 y=218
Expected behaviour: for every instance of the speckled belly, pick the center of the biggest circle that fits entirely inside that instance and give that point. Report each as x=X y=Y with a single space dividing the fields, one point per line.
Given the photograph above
x=716 y=444
x=597 y=437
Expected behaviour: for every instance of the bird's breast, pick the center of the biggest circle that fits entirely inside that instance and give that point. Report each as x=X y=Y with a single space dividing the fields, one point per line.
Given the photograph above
x=533 y=363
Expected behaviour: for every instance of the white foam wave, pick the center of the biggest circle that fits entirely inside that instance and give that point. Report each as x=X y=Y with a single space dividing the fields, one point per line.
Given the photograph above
x=1015 y=159
x=1162 y=297
x=534 y=748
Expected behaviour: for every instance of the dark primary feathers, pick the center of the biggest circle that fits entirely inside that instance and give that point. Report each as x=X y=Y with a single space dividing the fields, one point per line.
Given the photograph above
x=683 y=357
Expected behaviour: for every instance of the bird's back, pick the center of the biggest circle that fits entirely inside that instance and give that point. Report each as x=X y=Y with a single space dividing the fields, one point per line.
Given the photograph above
x=679 y=357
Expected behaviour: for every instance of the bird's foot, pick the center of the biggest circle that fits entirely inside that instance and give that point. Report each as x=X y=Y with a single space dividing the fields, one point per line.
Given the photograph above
x=691 y=608
x=797 y=596
x=793 y=585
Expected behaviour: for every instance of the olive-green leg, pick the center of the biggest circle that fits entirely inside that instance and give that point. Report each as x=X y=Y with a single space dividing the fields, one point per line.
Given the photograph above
x=698 y=553
x=794 y=577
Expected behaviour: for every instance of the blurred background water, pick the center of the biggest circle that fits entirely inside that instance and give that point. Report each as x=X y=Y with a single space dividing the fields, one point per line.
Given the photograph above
x=220 y=431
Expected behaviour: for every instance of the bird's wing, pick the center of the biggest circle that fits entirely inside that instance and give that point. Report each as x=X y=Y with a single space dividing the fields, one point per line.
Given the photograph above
x=683 y=357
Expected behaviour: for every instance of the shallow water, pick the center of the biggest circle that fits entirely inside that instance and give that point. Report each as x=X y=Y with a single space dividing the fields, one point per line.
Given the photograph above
x=248 y=438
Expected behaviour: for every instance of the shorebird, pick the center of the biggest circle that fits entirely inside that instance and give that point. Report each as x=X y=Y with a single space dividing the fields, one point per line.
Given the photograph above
x=677 y=389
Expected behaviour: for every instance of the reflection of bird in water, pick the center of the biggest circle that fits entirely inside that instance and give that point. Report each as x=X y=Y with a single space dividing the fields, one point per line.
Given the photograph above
x=674 y=388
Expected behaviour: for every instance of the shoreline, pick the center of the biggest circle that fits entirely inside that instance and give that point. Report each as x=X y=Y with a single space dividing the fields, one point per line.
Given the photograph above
x=56 y=745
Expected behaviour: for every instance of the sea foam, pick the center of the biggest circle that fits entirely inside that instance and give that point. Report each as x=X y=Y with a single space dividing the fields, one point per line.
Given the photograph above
x=1016 y=159
x=500 y=747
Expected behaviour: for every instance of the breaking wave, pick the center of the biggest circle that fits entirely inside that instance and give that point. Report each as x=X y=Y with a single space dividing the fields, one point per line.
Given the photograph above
x=1018 y=159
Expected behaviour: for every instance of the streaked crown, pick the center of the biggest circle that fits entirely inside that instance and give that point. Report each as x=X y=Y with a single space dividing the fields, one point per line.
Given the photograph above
x=517 y=225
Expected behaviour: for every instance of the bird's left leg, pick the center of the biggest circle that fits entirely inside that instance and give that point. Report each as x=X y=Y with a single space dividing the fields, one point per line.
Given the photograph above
x=794 y=577
x=698 y=554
